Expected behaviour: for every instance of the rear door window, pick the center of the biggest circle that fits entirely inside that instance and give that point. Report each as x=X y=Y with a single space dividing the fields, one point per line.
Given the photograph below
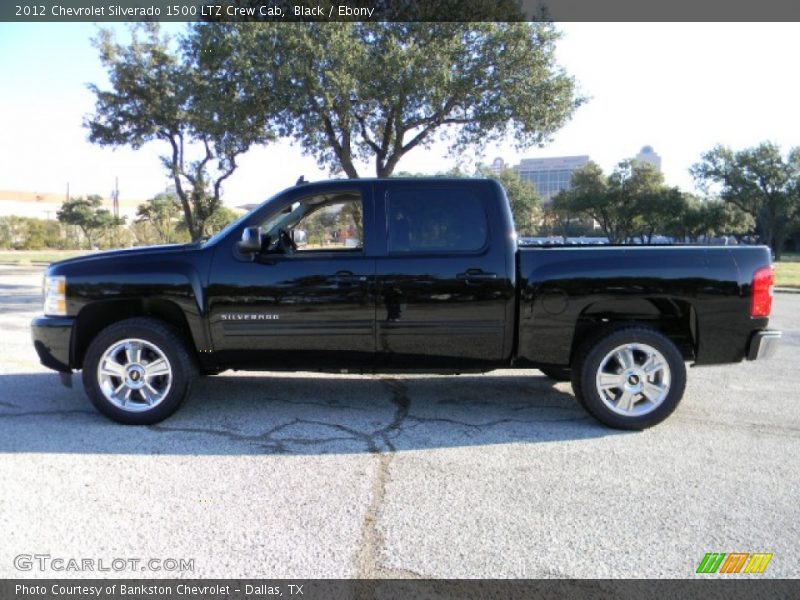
x=435 y=220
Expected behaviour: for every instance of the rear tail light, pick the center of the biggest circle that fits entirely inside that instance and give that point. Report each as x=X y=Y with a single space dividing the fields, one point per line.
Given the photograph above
x=761 y=298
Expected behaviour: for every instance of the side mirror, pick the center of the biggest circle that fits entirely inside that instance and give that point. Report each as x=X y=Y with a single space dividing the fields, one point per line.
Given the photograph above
x=251 y=240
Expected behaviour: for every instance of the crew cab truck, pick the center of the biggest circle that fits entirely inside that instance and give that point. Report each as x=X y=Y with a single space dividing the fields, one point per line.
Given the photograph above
x=400 y=275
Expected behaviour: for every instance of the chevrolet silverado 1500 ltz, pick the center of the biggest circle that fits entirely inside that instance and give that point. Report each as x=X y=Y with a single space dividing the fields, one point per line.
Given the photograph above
x=393 y=275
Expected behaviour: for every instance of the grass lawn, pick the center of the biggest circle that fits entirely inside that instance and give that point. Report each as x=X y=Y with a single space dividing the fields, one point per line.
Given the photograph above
x=787 y=271
x=36 y=257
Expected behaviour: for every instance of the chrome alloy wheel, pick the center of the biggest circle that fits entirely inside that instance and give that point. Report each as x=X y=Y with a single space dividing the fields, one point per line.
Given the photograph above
x=633 y=379
x=134 y=375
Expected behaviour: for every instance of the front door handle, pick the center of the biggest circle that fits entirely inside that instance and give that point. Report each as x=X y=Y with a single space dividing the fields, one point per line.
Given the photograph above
x=348 y=277
x=476 y=276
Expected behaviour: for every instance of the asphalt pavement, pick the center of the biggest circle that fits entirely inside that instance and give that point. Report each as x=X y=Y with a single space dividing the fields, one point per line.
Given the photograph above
x=307 y=475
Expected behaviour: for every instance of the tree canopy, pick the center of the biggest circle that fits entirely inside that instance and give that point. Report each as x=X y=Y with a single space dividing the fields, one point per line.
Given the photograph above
x=525 y=201
x=633 y=201
x=350 y=92
x=616 y=201
x=703 y=219
x=759 y=182
x=163 y=212
x=203 y=119
x=89 y=216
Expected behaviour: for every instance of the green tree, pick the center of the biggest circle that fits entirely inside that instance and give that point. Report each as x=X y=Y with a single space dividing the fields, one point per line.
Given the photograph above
x=53 y=235
x=144 y=234
x=561 y=219
x=203 y=119
x=163 y=212
x=622 y=201
x=522 y=196
x=589 y=196
x=657 y=210
x=219 y=220
x=702 y=219
x=13 y=231
x=36 y=237
x=88 y=215
x=758 y=181
x=375 y=91
x=29 y=233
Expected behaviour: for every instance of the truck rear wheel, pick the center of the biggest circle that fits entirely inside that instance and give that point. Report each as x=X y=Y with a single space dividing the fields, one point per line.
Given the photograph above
x=632 y=378
x=138 y=371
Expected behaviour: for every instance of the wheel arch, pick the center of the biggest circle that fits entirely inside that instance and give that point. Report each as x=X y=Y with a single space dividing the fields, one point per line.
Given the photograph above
x=96 y=316
x=675 y=318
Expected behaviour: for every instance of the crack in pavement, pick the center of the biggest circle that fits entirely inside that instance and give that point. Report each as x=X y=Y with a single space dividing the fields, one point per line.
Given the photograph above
x=424 y=420
x=370 y=439
x=266 y=440
x=374 y=440
x=381 y=440
x=367 y=563
x=378 y=442
x=40 y=413
x=331 y=404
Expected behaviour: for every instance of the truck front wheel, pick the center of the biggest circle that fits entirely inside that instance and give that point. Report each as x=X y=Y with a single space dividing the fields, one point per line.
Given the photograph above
x=632 y=378
x=138 y=371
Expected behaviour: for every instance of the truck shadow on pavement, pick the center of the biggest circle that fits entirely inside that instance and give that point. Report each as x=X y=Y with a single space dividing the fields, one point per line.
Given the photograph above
x=301 y=414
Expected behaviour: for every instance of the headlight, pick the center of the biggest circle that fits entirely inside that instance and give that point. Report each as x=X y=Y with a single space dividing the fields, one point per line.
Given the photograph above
x=55 y=296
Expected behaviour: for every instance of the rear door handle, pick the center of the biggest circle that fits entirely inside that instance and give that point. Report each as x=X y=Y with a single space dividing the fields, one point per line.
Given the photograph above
x=473 y=276
x=348 y=277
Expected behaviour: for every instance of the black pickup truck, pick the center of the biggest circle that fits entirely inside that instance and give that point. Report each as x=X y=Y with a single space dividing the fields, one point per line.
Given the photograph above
x=387 y=275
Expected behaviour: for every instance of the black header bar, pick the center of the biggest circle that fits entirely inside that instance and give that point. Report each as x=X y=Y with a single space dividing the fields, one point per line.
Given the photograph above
x=32 y=11
x=710 y=588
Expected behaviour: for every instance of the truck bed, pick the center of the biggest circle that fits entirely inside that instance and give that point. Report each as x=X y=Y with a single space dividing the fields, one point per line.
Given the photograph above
x=562 y=288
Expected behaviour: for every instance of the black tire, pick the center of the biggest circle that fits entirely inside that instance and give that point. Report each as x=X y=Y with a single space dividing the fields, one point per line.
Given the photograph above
x=557 y=373
x=590 y=358
x=165 y=339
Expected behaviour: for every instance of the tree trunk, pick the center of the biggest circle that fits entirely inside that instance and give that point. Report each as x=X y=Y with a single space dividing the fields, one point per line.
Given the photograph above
x=88 y=237
x=187 y=207
x=388 y=167
x=777 y=246
x=769 y=240
x=349 y=168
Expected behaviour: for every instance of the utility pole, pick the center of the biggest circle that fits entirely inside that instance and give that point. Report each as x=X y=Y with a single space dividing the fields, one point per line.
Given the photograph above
x=115 y=196
x=115 y=210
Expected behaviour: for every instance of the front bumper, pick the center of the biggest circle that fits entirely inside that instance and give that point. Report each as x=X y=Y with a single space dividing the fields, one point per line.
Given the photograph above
x=51 y=339
x=763 y=344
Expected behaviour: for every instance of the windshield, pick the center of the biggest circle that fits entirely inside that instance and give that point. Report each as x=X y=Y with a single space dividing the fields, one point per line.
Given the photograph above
x=288 y=216
x=283 y=219
x=223 y=232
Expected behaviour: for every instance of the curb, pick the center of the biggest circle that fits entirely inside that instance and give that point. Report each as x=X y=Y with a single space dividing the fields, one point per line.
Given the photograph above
x=783 y=290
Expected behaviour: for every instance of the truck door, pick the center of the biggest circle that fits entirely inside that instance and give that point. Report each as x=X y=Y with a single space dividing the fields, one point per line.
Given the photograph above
x=445 y=290
x=306 y=301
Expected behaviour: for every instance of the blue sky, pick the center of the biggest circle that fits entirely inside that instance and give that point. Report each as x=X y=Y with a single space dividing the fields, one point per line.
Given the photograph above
x=679 y=87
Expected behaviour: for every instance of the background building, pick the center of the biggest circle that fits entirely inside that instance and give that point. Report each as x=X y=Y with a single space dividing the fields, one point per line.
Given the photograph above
x=649 y=156
x=498 y=166
x=550 y=175
x=45 y=205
